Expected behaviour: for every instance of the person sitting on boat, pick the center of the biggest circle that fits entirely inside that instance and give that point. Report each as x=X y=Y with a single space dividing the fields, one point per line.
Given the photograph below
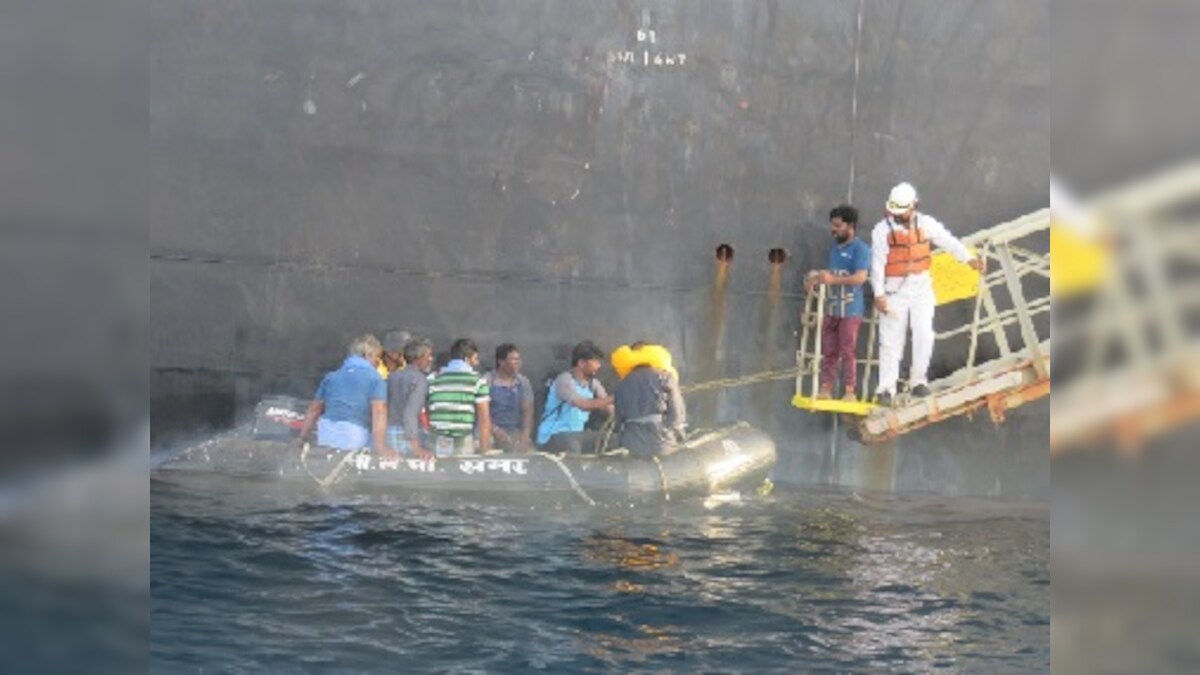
x=849 y=265
x=458 y=398
x=393 y=352
x=651 y=414
x=511 y=401
x=406 y=390
x=349 y=409
x=573 y=396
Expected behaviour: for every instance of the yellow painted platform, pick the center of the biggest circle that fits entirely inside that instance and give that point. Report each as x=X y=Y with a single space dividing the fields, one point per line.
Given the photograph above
x=833 y=405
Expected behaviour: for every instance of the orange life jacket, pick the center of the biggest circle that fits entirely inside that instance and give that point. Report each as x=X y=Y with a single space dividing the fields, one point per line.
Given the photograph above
x=909 y=251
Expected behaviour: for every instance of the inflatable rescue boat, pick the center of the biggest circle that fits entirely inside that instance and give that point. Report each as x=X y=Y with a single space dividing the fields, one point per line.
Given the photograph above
x=708 y=462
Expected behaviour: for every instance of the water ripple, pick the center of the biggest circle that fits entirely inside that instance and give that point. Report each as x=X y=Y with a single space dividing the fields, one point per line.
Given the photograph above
x=246 y=579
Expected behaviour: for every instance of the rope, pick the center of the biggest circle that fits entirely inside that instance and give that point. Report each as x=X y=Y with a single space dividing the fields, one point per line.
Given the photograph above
x=337 y=471
x=663 y=475
x=756 y=378
x=606 y=434
x=570 y=477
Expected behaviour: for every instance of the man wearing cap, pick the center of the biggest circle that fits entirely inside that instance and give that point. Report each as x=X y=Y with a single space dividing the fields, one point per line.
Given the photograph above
x=901 y=255
x=393 y=352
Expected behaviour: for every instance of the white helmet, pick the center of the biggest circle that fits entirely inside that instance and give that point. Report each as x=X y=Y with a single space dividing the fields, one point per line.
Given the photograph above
x=902 y=198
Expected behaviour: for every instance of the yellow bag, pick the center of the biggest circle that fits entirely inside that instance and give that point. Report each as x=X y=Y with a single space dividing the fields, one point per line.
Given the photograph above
x=1078 y=264
x=952 y=280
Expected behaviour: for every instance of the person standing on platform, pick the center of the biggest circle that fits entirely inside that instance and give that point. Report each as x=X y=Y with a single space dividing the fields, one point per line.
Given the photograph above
x=849 y=265
x=901 y=255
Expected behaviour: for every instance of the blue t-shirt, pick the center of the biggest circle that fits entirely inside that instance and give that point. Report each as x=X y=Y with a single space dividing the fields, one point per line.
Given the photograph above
x=348 y=391
x=845 y=260
x=507 y=400
x=560 y=416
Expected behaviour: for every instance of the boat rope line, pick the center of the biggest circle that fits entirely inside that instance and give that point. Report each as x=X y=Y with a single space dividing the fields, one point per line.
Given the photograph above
x=606 y=434
x=756 y=378
x=663 y=475
x=337 y=471
x=570 y=477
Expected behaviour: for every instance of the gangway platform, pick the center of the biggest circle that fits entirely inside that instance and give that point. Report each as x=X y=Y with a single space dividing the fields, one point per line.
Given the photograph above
x=1011 y=306
x=1135 y=341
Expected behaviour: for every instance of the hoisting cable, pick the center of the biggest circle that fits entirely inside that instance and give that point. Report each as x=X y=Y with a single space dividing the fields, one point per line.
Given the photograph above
x=746 y=380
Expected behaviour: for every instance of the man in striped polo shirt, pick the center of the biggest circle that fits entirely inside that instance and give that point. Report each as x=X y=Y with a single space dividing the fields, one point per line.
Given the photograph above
x=458 y=397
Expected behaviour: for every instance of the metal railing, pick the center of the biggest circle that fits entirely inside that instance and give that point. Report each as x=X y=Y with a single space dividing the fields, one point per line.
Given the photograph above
x=1135 y=343
x=1013 y=298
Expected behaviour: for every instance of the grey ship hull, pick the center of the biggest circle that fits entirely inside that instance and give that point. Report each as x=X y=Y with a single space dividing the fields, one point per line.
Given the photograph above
x=545 y=172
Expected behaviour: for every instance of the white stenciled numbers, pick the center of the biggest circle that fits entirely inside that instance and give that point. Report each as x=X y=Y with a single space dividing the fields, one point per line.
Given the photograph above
x=647 y=54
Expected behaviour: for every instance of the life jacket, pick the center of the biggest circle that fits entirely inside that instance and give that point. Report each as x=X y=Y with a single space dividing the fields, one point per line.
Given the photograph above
x=642 y=393
x=909 y=251
x=625 y=359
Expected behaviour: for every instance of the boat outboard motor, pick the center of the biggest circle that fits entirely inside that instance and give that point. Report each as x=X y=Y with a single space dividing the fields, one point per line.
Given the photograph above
x=279 y=418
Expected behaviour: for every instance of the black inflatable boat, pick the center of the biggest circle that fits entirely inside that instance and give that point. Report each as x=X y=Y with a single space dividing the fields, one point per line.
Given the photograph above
x=736 y=456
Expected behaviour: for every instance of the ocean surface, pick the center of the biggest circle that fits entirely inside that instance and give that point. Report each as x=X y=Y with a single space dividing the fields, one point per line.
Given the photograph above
x=253 y=576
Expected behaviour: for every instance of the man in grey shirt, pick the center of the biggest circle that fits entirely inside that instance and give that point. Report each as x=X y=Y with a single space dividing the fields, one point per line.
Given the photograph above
x=406 y=396
x=573 y=396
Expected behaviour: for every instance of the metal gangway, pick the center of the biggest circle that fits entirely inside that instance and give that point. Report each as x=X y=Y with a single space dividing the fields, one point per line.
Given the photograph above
x=1009 y=324
x=1130 y=340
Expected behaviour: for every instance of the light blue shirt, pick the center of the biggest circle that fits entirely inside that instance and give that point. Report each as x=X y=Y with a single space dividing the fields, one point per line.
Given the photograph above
x=347 y=394
x=561 y=416
x=342 y=435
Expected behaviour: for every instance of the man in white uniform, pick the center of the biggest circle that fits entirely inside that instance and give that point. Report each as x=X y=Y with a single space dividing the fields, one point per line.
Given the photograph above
x=901 y=253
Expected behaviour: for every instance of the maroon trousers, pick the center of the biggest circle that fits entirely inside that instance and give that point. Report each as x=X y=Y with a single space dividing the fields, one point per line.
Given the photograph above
x=839 y=344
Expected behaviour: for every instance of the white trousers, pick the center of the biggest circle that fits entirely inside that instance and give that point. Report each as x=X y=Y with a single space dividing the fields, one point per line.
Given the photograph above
x=909 y=303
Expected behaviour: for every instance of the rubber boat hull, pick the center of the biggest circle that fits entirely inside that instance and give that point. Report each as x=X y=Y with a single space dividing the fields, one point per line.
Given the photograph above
x=736 y=456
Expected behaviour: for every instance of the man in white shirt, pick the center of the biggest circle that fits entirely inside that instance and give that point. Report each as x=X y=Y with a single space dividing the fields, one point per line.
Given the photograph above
x=901 y=254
